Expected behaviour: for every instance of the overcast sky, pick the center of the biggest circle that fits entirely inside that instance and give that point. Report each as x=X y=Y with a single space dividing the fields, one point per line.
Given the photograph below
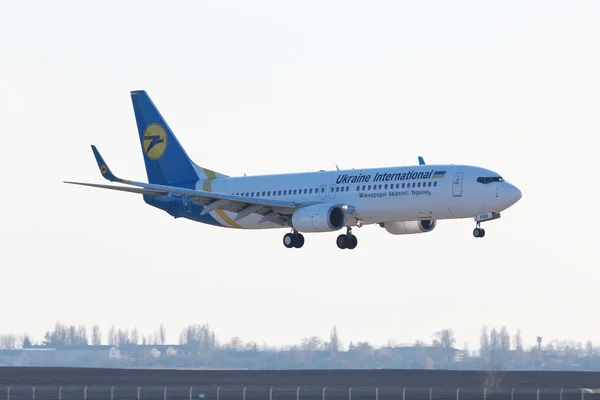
x=271 y=87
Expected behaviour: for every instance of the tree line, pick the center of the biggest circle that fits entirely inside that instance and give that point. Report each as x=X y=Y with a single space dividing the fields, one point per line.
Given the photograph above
x=496 y=345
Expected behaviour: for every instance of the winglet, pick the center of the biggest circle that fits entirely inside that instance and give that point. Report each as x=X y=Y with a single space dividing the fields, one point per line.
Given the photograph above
x=421 y=161
x=104 y=170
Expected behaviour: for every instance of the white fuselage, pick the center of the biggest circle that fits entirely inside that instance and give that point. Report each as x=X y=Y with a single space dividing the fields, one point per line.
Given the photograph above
x=379 y=194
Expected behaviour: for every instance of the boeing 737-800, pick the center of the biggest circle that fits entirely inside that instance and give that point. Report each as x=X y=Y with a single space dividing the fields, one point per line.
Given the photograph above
x=401 y=200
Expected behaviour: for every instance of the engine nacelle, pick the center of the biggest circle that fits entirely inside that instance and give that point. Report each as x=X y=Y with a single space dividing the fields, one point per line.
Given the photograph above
x=409 y=227
x=319 y=218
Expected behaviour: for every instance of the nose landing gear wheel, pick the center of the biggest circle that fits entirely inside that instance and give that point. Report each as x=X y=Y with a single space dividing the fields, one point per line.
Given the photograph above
x=479 y=232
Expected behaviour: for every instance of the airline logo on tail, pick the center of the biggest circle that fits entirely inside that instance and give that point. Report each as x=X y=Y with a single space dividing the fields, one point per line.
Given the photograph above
x=154 y=141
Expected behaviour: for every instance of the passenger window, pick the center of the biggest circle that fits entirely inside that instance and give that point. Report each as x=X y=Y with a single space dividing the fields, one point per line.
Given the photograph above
x=358 y=188
x=363 y=188
x=305 y=191
x=310 y=191
x=337 y=189
x=263 y=194
x=322 y=190
x=279 y=192
x=419 y=184
x=434 y=184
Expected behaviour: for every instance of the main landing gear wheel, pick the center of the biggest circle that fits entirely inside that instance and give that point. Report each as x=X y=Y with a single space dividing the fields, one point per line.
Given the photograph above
x=347 y=241
x=479 y=232
x=293 y=240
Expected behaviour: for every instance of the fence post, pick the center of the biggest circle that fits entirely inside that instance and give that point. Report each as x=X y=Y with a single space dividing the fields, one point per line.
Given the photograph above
x=270 y=393
x=537 y=394
x=244 y=394
x=323 y=394
x=512 y=394
x=139 y=392
x=403 y=393
x=430 y=391
x=457 y=394
x=298 y=394
x=8 y=393
x=112 y=393
x=484 y=393
x=377 y=394
x=218 y=393
x=59 y=393
x=192 y=390
x=33 y=393
x=165 y=393
x=561 y=392
x=85 y=393
x=582 y=394
x=350 y=394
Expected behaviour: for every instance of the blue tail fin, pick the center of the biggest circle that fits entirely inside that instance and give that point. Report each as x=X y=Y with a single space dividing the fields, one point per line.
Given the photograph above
x=166 y=161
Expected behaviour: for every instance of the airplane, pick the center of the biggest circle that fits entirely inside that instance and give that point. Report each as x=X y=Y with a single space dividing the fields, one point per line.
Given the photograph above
x=402 y=200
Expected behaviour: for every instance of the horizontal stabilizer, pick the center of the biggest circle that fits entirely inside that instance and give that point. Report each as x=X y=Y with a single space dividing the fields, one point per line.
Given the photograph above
x=122 y=188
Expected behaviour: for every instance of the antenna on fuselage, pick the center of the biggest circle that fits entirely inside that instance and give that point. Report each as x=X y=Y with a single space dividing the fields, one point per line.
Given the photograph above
x=336 y=166
x=421 y=161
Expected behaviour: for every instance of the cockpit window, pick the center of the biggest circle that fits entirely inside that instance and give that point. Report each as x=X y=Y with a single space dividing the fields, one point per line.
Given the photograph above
x=489 y=179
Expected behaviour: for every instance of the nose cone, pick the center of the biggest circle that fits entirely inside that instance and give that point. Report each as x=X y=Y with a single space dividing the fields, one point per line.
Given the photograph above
x=513 y=194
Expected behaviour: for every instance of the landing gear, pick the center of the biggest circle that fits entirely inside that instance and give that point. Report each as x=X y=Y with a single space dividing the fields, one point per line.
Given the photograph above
x=347 y=241
x=293 y=239
x=478 y=232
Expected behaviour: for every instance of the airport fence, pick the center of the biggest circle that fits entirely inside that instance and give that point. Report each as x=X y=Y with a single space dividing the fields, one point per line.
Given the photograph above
x=45 y=392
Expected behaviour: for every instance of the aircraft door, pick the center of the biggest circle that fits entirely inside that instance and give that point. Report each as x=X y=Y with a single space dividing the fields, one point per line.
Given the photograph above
x=457 y=184
x=323 y=192
x=332 y=191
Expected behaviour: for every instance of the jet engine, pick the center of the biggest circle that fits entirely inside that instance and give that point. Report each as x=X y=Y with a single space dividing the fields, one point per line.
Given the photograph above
x=319 y=218
x=409 y=227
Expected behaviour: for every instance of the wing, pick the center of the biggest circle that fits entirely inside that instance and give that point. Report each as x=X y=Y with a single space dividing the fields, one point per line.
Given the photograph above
x=275 y=211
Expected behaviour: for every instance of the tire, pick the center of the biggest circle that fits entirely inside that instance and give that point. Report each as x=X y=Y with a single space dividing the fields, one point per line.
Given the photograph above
x=299 y=241
x=482 y=233
x=476 y=232
x=342 y=242
x=288 y=240
x=353 y=242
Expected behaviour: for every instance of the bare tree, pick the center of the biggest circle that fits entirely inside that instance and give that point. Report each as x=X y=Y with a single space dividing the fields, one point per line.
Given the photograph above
x=96 y=335
x=82 y=336
x=518 y=341
x=484 y=343
x=444 y=338
x=162 y=334
x=8 y=341
x=334 y=341
x=123 y=337
x=135 y=336
x=312 y=343
x=504 y=340
x=492 y=379
x=113 y=340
